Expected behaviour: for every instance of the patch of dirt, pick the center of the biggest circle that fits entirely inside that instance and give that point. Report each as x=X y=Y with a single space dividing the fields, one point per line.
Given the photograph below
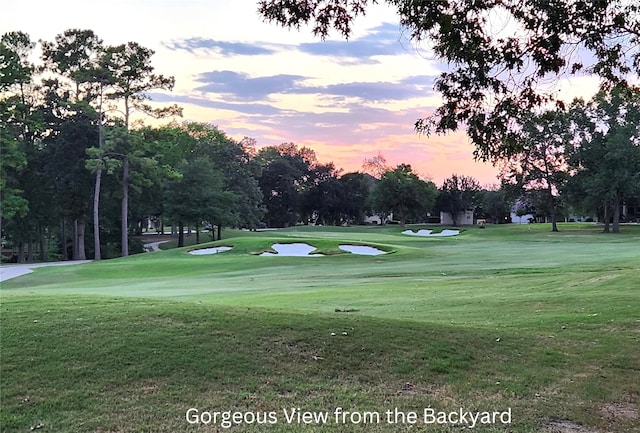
x=565 y=426
x=620 y=410
x=149 y=389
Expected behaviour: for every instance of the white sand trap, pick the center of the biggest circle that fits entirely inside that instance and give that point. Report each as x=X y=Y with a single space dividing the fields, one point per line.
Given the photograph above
x=446 y=233
x=430 y=233
x=214 y=250
x=362 y=250
x=294 y=250
x=422 y=232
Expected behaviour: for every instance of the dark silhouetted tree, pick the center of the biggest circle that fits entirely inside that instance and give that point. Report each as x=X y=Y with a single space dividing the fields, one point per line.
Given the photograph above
x=458 y=194
x=402 y=192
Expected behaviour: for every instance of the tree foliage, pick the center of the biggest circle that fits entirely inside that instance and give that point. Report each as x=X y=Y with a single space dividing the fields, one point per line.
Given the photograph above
x=495 y=205
x=541 y=166
x=287 y=172
x=15 y=73
x=402 y=192
x=21 y=130
x=605 y=154
x=197 y=196
x=458 y=194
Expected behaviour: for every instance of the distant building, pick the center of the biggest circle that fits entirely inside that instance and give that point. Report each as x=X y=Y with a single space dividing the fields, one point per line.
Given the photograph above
x=463 y=218
x=524 y=219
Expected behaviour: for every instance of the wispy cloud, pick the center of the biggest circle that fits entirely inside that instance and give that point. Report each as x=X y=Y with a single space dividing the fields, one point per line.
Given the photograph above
x=249 y=109
x=383 y=40
x=224 y=48
x=240 y=86
x=410 y=87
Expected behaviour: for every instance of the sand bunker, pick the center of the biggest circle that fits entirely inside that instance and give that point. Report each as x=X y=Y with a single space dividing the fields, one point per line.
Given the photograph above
x=304 y=250
x=362 y=250
x=213 y=250
x=292 y=250
x=430 y=233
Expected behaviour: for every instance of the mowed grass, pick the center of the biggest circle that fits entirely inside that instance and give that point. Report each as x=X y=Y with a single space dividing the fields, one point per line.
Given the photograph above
x=547 y=324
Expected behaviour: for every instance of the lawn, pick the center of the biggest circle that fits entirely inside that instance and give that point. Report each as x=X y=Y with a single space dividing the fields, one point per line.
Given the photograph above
x=544 y=326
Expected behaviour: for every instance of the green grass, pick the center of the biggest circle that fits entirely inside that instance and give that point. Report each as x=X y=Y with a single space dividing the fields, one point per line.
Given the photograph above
x=547 y=324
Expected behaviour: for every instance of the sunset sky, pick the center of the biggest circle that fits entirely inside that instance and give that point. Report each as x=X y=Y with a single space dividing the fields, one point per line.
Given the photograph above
x=347 y=100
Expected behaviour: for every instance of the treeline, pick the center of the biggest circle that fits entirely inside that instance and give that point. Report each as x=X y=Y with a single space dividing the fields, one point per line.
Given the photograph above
x=583 y=157
x=79 y=179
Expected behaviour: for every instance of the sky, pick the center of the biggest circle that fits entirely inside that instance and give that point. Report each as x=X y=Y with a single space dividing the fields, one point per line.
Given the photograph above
x=346 y=100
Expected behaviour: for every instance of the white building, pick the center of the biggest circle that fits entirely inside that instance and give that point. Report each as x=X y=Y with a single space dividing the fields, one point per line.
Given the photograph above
x=463 y=218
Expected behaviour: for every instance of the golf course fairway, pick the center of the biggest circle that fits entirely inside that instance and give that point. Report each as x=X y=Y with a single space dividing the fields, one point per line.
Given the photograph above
x=499 y=329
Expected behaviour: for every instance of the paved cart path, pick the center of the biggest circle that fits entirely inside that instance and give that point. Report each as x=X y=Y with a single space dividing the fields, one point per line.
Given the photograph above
x=12 y=271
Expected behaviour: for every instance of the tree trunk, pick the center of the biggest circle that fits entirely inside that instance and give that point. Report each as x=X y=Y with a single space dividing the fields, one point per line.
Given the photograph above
x=554 y=223
x=82 y=255
x=96 y=216
x=125 y=207
x=616 y=216
x=606 y=219
x=96 y=191
x=74 y=240
x=219 y=231
x=64 y=240
x=20 y=252
x=180 y=234
x=197 y=234
x=30 y=251
x=43 y=245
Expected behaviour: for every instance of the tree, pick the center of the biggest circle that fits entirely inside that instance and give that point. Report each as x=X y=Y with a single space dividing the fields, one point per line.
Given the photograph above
x=65 y=171
x=541 y=164
x=376 y=166
x=132 y=75
x=21 y=131
x=198 y=196
x=402 y=192
x=53 y=129
x=15 y=73
x=605 y=157
x=495 y=205
x=322 y=200
x=286 y=174
x=241 y=173
x=239 y=199
x=458 y=194
x=356 y=189
x=524 y=209
x=169 y=145
x=75 y=56
x=497 y=71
